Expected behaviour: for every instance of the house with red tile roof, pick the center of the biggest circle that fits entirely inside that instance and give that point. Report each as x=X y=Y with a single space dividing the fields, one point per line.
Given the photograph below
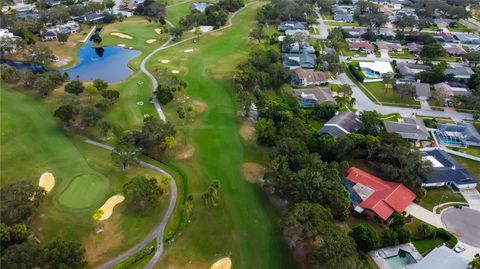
x=361 y=45
x=376 y=197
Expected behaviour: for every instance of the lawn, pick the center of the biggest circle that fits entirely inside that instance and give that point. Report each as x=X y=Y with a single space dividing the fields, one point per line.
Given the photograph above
x=436 y=196
x=475 y=151
x=351 y=53
x=177 y=10
x=425 y=245
x=340 y=23
x=243 y=226
x=402 y=55
x=388 y=95
x=32 y=143
x=460 y=27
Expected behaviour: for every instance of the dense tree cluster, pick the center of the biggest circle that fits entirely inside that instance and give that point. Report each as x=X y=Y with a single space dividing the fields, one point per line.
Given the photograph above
x=455 y=9
x=215 y=15
x=284 y=10
x=42 y=83
x=142 y=193
x=167 y=86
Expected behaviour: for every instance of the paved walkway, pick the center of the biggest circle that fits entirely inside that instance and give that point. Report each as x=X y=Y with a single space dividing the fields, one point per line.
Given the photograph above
x=473 y=198
x=157 y=232
x=424 y=215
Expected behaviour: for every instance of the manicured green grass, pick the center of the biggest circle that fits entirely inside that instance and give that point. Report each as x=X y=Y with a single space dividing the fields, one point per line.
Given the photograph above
x=340 y=23
x=432 y=27
x=436 y=196
x=388 y=95
x=178 y=10
x=351 y=53
x=326 y=16
x=460 y=27
x=84 y=191
x=243 y=226
x=402 y=55
x=353 y=221
x=426 y=245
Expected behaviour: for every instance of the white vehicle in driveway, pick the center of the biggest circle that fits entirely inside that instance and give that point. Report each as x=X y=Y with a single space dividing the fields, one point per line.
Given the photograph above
x=459 y=248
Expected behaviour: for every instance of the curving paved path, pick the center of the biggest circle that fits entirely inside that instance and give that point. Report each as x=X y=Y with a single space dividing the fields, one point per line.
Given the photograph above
x=157 y=232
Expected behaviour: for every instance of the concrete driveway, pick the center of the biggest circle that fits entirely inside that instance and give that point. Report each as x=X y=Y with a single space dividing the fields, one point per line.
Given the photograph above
x=424 y=215
x=464 y=223
x=473 y=198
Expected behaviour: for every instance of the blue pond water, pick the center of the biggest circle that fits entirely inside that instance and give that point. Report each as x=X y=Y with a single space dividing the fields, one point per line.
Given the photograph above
x=108 y=63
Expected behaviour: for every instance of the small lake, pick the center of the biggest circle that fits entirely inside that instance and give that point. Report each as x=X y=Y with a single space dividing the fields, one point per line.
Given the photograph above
x=108 y=63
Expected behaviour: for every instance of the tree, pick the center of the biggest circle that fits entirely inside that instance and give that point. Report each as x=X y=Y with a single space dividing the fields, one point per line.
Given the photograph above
x=89 y=116
x=15 y=234
x=257 y=33
x=389 y=238
x=338 y=251
x=265 y=131
x=63 y=254
x=307 y=220
x=164 y=94
x=397 y=221
x=91 y=91
x=432 y=50
x=43 y=85
x=109 y=4
x=405 y=89
x=62 y=37
x=403 y=21
x=473 y=57
x=426 y=230
x=176 y=33
x=111 y=95
x=19 y=200
x=372 y=122
x=170 y=141
x=388 y=79
x=25 y=255
x=181 y=113
x=65 y=113
x=39 y=54
x=104 y=127
x=58 y=14
x=403 y=235
x=27 y=77
x=124 y=155
x=476 y=263
x=74 y=87
x=365 y=237
x=154 y=132
x=142 y=193
x=210 y=197
x=100 y=84
x=96 y=38
x=324 y=111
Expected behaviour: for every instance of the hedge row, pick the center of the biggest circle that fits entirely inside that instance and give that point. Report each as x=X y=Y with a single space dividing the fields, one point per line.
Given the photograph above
x=450 y=240
x=356 y=72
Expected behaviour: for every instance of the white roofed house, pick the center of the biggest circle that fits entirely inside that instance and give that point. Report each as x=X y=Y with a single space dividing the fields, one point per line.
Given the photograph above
x=8 y=42
x=51 y=33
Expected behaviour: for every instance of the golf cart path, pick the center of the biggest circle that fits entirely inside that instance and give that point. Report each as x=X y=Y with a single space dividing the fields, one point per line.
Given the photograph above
x=165 y=45
x=158 y=231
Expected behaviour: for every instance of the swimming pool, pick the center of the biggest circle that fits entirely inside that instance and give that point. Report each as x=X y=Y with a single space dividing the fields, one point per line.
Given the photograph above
x=451 y=141
x=400 y=260
x=370 y=74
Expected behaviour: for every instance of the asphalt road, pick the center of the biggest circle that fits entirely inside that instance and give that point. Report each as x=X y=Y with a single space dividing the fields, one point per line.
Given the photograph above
x=464 y=223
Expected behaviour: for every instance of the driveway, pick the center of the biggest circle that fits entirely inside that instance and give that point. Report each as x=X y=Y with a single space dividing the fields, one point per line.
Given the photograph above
x=464 y=223
x=473 y=198
x=424 y=215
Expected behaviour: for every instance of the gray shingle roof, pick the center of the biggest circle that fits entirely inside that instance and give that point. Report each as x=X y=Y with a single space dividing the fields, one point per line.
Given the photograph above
x=422 y=89
x=449 y=170
x=408 y=128
x=341 y=124
x=465 y=129
x=441 y=258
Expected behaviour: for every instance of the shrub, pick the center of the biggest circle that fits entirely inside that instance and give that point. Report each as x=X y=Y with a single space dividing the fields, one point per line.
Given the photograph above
x=450 y=239
x=357 y=73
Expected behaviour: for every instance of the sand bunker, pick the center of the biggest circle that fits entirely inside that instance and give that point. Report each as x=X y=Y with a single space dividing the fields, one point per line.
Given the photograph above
x=158 y=31
x=121 y=45
x=165 y=61
x=224 y=263
x=175 y=71
x=188 y=50
x=247 y=131
x=121 y=35
x=253 y=172
x=199 y=106
x=150 y=41
x=107 y=207
x=185 y=153
x=47 y=181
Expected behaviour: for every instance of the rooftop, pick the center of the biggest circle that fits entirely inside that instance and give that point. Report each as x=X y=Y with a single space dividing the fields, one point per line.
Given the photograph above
x=408 y=128
x=441 y=258
x=445 y=169
x=342 y=123
x=380 y=67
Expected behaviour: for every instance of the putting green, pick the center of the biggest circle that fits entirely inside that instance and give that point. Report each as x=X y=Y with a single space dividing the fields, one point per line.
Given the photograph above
x=84 y=191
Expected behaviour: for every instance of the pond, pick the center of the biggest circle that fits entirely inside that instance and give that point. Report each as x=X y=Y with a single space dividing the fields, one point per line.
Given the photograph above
x=108 y=63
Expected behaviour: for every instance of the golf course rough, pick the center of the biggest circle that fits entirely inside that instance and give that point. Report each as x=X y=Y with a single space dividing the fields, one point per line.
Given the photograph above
x=85 y=190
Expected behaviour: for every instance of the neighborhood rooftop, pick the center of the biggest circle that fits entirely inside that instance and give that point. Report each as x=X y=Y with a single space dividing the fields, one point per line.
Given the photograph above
x=343 y=123
x=408 y=128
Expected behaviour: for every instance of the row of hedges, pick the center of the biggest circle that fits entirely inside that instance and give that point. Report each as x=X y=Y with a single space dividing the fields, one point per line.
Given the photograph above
x=356 y=72
x=450 y=240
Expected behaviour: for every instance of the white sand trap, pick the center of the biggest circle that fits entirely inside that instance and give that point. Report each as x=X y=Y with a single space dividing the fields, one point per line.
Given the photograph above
x=175 y=71
x=165 y=61
x=150 y=41
x=121 y=45
x=224 y=263
x=121 y=35
x=47 y=181
x=158 y=31
x=107 y=207
x=188 y=50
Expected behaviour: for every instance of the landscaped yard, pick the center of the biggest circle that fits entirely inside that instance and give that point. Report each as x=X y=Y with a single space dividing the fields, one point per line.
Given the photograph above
x=436 y=196
x=460 y=27
x=340 y=23
x=388 y=95
x=352 y=52
x=425 y=245
x=402 y=55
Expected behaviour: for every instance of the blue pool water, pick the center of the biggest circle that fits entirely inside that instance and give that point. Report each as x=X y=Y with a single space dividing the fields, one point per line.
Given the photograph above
x=370 y=74
x=400 y=260
x=450 y=141
x=108 y=63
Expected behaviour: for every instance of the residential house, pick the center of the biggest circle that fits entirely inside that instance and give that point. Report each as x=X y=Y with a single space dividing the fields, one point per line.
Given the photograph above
x=309 y=98
x=386 y=33
x=454 y=49
x=291 y=25
x=297 y=47
x=355 y=31
x=444 y=22
x=361 y=45
x=446 y=171
x=410 y=70
x=441 y=257
x=7 y=38
x=308 y=77
x=304 y=33
x=414 y=48
x=397 y=4
x=406 y=12
x=389 y=46
x=28 y=16
x=304 y=59
x=468 y=38
x=408 y=128
x=443 y=37
x=22 y=8
x=376 y=197
x=341 y=124
x=343 y=17
x=422 y=91
x=450 y=91
x=92 y=18
x=463 y=132
x=460 y=72
x=375 y=70
x=51 y=33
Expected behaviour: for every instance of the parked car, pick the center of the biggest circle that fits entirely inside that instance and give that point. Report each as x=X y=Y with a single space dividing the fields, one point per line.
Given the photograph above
x=356 y=56
x=458 y=206
x=459 y=248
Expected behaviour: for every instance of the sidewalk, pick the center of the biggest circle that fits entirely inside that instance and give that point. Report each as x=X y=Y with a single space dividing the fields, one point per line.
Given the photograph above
x=424 y=215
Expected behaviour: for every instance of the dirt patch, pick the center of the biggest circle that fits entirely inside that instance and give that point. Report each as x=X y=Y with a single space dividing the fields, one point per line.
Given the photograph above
x=216 y=33
x=99 y=245
x=224 y=263
x=158 y=31
x=253 y=172
x=247 y=131
x=62 y=61
x=121 y=35
x=185 y=153
x=199 y=106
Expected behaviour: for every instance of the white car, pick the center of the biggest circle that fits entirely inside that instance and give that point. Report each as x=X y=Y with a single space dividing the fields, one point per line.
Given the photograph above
x=459 y=248
x=356 y=56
